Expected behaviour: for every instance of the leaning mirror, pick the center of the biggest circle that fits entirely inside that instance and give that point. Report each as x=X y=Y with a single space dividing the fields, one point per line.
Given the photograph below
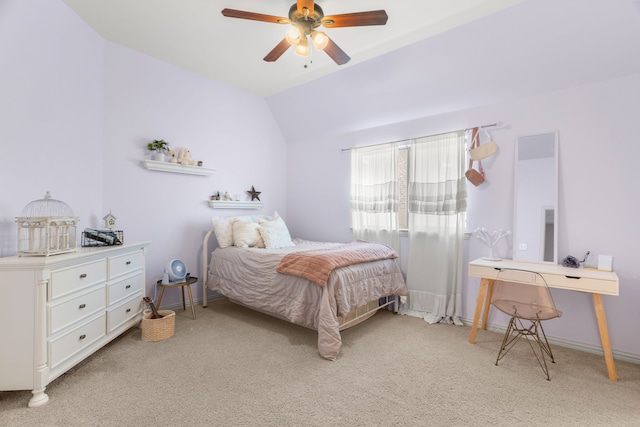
x=535 y=235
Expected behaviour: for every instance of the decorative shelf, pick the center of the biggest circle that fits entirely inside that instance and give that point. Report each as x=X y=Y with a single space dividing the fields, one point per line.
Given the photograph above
x=154 y=165
x=234 y=204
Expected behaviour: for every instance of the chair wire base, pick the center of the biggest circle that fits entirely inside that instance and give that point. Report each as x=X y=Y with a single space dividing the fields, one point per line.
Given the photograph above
x=535 y=332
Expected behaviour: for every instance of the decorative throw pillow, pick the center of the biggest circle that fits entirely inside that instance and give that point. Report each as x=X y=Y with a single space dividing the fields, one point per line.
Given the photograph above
x=258 y=218
x=275 y=233
x=223 y=229
x=246 y=234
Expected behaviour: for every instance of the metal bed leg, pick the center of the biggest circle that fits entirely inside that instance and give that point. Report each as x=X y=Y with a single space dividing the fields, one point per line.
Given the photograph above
x=205 y=266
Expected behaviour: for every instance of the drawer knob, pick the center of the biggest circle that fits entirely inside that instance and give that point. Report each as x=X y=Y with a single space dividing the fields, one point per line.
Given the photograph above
x=128 y=262
x=83 y=275
x=81 y=306
x=128 y=310
x=81 y=337
x=127 y=287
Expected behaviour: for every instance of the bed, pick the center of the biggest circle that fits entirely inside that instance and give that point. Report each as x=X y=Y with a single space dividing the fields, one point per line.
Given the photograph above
x=324 y=286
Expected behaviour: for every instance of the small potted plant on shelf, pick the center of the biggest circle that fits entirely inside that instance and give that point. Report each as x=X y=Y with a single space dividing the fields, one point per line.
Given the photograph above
x=160 y=146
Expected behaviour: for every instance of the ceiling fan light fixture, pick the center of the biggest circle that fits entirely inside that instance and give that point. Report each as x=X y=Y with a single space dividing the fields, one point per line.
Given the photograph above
x=294 y=36
x=319 y=39
x=305 y=16
x=303 y=47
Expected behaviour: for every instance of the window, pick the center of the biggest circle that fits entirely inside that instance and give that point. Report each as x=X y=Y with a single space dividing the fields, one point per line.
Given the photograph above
x=419 y=188
x=380 y=181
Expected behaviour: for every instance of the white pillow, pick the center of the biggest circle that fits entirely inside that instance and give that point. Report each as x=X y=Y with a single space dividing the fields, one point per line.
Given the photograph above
x=246 y=234
x=258 y=218
x=223 y=229
x=275 y=233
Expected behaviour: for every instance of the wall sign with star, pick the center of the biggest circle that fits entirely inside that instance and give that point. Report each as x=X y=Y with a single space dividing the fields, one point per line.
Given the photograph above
x=254 y=194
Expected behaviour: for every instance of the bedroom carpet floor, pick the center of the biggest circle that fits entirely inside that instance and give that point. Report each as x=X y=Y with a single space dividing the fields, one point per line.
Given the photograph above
x=236 y=367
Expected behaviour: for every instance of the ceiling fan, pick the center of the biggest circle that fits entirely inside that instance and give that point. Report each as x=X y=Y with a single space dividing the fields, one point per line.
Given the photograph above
x=306 y=17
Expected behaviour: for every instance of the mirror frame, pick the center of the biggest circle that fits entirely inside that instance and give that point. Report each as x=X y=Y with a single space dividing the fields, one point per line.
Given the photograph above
x=516 y=242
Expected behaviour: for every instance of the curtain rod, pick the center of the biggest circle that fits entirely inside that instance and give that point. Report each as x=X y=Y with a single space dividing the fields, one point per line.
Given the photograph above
x=466 y=129
x=486 y=126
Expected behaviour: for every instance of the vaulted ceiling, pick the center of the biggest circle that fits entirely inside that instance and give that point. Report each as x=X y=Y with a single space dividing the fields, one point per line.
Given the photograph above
x=194 y=35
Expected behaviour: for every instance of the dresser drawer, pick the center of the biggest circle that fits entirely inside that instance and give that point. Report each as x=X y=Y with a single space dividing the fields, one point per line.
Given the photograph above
x=76 y=340
x=124 y=312
x=85 y=304
x=77 y=277
x=127 y=263
x=124 y=288
x=583 y=284
x=518 y=276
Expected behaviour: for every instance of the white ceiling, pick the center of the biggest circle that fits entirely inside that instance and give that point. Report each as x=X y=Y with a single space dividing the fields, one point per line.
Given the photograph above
x=194 y=35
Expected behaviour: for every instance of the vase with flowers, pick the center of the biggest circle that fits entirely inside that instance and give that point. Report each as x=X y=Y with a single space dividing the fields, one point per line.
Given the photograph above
x=160 y=146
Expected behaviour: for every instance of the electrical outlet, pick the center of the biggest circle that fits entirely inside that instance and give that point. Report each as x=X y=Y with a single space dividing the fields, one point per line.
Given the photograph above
x=522 y=247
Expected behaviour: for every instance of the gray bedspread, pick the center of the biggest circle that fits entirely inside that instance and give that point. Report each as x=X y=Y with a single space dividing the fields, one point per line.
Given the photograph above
x=248 y=276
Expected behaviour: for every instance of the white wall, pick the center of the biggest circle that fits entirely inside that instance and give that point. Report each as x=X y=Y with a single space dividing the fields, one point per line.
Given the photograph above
x=50 y=112
x=597 y=191
x=76 y=114
x=577 y=76
x=229 y=130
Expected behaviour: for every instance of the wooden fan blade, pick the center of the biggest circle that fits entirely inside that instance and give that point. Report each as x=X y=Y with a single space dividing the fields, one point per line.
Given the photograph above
x=305 y=3
x=357 y=19
x=337 y=54
x=278 y=50
x=233 y=13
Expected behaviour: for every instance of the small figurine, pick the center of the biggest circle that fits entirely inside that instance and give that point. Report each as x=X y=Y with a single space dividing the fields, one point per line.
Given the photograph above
x=184 y=157
x=227 y=196
x=109 y=221
x=173 y=158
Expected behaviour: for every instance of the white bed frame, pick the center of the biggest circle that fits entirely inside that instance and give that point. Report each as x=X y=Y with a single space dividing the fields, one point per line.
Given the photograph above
x=205 y=267
x=359 y=314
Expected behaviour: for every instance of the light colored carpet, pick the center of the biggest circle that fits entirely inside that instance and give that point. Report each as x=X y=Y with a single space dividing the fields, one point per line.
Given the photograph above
x=236 y=367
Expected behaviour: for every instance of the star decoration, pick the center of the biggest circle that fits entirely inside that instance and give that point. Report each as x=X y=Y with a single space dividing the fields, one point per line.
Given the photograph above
x=254 y=194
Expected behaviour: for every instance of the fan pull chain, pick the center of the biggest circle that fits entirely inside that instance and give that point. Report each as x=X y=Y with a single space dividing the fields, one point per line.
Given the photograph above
x=308 y=60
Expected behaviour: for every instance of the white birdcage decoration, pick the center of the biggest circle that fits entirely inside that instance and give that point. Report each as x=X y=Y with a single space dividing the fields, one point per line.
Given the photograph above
x=46 y=227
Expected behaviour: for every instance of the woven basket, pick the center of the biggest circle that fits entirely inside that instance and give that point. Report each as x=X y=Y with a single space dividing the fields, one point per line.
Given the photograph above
x=158 y=329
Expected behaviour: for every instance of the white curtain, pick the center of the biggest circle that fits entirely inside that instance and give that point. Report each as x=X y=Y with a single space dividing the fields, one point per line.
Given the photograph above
x=374 y=194
x=437 y=202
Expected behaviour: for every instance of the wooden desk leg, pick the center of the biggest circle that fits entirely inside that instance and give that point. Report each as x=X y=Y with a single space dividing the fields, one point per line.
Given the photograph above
x=160 y=297
x=193 y=309
x=184 y=306
x=482 y=291
x=487 y=304
x=604 y=336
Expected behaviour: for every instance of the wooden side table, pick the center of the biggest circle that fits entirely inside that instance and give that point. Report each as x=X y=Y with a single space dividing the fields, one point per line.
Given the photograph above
x=187 y=283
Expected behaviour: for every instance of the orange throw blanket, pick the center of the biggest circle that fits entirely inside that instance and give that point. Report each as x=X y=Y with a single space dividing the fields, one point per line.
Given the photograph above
x=316 y=265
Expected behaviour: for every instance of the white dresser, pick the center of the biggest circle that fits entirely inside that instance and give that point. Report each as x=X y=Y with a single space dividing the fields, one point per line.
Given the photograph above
x=58 y=310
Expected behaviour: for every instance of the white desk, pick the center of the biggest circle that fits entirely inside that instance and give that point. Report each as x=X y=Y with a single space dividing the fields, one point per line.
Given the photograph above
x=595 y=282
